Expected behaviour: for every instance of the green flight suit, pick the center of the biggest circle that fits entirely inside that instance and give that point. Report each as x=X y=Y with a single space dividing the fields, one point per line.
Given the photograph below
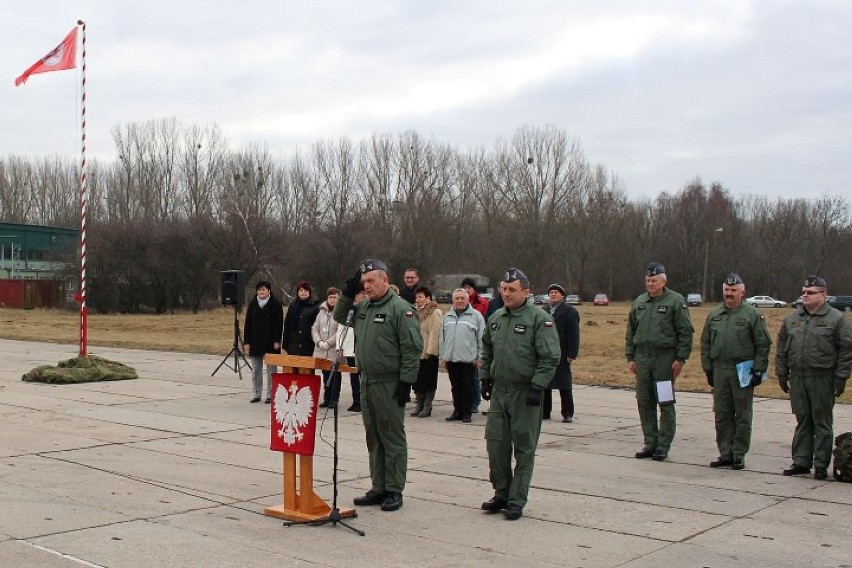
x=387 y=351
x=814 y=353
x=731 y=336
x=659 y=332
x=520 y=348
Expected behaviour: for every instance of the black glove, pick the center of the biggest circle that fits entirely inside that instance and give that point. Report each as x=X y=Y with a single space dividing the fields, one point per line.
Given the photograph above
x=839 y=387
x=756 y=378
x=534 y=396
x=485 y=387
x=353 y=283
x=403 y=393
x=782 y=382
x=709 y=375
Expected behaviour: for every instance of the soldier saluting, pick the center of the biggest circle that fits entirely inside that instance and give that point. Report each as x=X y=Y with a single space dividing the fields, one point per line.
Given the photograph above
x=813 y=362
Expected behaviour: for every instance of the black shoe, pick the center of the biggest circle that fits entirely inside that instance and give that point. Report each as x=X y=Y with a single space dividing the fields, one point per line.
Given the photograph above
x=512 y=512
x=820 y=473
x=392 y=502
x=568 y=419
x=354 y=408
x=370 y=498
x=738 y=463
x=452 y=417
x=268 y=400
x=660 y=455
x=796 y=469
x=324 y=404
x=644 y=453
x=494 y=505
x=721 y=462
x=466 y=419
x=255 y=399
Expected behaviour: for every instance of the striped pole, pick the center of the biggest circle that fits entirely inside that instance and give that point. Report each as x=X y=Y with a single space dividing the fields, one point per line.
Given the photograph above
x=84 y=203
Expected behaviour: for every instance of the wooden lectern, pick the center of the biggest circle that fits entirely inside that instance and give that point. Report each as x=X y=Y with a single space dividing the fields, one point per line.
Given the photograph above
x=304 y=504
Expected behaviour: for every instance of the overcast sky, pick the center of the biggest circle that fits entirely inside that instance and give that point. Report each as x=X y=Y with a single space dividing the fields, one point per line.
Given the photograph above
x=755 y=94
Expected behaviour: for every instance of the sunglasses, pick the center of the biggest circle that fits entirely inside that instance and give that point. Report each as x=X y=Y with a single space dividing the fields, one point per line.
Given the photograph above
x=811 y=292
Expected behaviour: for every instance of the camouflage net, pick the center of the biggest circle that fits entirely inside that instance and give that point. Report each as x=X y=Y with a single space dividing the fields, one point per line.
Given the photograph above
x=843 y=457
x=81 y=370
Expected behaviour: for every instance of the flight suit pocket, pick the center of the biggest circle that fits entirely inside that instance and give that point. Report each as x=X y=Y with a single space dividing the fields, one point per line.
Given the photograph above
x=494 y=427
x=825 y=354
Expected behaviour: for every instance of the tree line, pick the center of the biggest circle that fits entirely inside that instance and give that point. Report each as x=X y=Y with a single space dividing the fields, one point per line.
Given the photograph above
x=177 y=205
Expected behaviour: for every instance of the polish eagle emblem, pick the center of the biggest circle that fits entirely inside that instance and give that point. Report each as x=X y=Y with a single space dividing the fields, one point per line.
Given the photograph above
x=293 y=409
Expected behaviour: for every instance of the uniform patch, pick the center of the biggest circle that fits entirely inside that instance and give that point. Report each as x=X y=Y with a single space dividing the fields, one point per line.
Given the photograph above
x=379 y=318
x=362 y=316
x=794 y=324
x=409 y=314
x=662 y=309
x=495 y=326
x=548 y=324
x=740 y=321
x=520 y=328
x=685 y=306
x=640 y=307
x=821 y=323
x=717 y=318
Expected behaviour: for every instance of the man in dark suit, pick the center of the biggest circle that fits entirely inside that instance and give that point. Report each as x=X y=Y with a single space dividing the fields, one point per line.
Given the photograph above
x=567 y=320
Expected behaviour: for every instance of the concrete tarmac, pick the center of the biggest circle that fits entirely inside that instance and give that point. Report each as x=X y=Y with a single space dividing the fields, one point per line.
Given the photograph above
x=174 y=469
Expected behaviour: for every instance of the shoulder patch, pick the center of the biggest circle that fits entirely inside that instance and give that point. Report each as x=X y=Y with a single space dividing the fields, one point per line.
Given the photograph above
x=548 y=324
x=409 y=314
x=685 y=306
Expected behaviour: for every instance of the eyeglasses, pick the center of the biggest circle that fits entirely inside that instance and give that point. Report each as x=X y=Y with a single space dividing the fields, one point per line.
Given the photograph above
x=812 y=292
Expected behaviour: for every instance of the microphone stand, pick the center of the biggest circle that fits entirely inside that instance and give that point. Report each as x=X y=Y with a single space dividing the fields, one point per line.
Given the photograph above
x=334 y=516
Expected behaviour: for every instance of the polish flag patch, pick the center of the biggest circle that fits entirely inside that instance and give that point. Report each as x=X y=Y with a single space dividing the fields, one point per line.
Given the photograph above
x=548 y=324
x=409 y=314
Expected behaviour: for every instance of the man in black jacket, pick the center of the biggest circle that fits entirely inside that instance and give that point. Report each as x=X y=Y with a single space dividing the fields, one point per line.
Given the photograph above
x=567 y=320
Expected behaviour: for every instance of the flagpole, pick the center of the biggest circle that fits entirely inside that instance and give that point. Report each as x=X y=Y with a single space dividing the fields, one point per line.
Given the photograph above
x=84 y=205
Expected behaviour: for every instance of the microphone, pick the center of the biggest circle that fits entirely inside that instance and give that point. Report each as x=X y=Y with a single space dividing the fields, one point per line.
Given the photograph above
x=350 y=316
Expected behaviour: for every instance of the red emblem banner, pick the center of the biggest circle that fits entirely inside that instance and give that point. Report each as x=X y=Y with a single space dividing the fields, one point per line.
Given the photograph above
x=294 y=411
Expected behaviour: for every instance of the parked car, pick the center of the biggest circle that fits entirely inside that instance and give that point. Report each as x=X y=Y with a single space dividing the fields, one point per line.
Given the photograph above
x=600 y=300
x=765 y=302
x=694 y=300
x=487 y=296
x=842 y=303
x=797 y=303
x=444 y=297
x=573 y=299
x=542 y=299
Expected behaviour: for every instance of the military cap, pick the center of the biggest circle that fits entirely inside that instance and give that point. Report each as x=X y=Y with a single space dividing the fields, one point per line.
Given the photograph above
x=733 y=279
x=513 y=274
x=557 y=287
x=815 y=281
x=654 y=269
x=370 y=264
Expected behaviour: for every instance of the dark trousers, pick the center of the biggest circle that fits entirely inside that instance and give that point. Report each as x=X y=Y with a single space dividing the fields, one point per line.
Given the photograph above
x=331 y=392
x=461 y=380
x=354 y=382
x=566 y=398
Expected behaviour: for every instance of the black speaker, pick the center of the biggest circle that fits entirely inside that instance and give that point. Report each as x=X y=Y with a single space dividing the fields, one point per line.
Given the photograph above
x=233 y=288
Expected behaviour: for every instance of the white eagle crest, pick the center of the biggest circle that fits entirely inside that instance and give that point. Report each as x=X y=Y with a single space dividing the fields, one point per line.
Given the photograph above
x=293 y=409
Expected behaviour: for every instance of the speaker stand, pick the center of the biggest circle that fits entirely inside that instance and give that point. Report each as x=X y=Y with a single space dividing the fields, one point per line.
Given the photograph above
x=236 y=351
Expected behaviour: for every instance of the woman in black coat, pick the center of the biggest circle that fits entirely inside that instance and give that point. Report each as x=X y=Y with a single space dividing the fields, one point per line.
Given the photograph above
x=262 y=335
x=300 y=318
x=567 y=320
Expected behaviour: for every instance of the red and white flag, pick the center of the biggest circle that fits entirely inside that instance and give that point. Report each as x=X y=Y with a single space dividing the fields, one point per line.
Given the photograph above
x=294 y=412
x=63 y=56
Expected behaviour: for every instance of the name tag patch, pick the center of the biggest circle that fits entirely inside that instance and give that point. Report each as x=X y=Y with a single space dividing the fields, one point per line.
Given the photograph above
x=822 y=323
x=662 y=309
x=740 y=321
x=520 y=328
x=379 y=318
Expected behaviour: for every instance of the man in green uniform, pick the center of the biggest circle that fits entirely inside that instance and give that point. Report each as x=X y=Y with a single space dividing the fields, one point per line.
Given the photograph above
x=813 y=362
x=657 y=344
x=733 y=333
x=388 y=355
x=520 y=352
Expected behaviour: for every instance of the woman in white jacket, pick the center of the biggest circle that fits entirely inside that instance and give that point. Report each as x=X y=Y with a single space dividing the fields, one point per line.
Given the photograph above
x=346 y=349
x=324 y=334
